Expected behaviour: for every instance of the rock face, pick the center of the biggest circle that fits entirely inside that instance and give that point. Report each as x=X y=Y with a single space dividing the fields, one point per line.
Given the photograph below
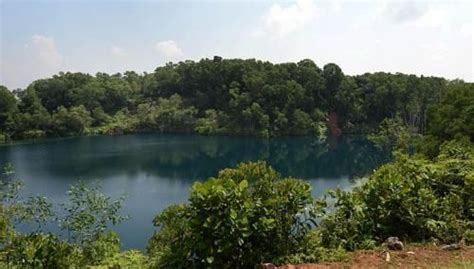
x=451 y=247
x=393 y=243
x=268 y=266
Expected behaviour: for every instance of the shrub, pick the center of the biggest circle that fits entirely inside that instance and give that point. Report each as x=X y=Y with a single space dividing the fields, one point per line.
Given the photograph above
x=89 y=212
x=126 y=259
x=5 y=227
x=33 y=134
x=310 y=250
x=412 y=198
x=42 y=251
x=243 y=217
x=105 y=246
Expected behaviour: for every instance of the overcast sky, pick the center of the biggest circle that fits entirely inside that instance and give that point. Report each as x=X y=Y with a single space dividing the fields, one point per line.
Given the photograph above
x=40 y=38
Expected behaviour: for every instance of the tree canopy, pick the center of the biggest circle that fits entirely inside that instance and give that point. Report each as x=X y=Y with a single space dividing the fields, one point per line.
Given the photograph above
x=235 y=96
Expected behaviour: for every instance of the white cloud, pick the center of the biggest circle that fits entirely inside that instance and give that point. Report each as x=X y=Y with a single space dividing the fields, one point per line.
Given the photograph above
x=420 y=14
x=434 y=17
x=437 y=52
x=116 y=50
x=45 y=51
x=336 y=5
x=169 y=49
x=282 y=20
x=466 y=30
x=39 y=57
x=403 y=12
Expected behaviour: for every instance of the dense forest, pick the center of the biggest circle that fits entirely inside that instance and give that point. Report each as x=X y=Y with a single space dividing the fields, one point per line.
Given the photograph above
x=234 y=96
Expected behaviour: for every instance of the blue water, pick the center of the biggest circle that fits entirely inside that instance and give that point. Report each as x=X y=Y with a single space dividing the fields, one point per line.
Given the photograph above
x=154 y=171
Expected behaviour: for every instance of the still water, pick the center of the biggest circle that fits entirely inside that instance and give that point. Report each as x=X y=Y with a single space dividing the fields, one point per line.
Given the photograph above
x=155 y=171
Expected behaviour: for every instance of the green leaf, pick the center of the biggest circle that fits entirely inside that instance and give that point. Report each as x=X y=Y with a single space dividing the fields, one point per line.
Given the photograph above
x=243 y=184
x=210 y=260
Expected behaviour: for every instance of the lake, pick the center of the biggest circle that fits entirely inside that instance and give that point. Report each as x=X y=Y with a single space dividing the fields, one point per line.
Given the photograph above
x=155 y=171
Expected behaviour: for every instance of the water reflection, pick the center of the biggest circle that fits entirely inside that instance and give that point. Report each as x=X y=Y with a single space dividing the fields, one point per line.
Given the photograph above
x=157 y=170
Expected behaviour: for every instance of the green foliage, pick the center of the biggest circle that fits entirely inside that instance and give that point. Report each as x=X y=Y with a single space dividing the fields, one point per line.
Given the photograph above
x=8 y=106
x=234 y=96
x=454 y=115
x=103 y=247
x=122 y=122
x=245 y=216
x=42 y=251
x=412 y=198
x=469 y=236
x=173 y=223
x=71 y=121
x=33 y=120
x=211 y=123
x=36 y=209
x=126 y=259
x=88 y=215
x=89 y=212
x=99 y=117
x=9 y=186
x=9 y=204
x=391 y=134
x=168 y=115
x=427 y=146
x=310 y=250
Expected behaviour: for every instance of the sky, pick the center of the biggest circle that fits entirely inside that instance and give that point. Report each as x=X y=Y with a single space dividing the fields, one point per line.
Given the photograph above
x=39 y=38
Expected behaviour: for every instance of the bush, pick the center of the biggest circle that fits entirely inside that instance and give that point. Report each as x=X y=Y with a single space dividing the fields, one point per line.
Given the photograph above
x=105 y=246
x=310 y=250
x=245 y=216
x=5 y=227
x=126 y=259
x=42 y=251
x=33 y=134
x=412 y=198
x=89 y=213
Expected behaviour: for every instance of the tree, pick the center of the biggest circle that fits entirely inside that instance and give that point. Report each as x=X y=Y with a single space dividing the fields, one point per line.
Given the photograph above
x=454 y=115
x=71 y=121
x=256 y=120
x=251 y=97
x=89 y=212
x=87 y=216
x=116 y=94
x=391 y=134
x=8 y=106
x=333 y=76
x=168 y=115
x=60 y=89
x=302 y=123
x=210 y=123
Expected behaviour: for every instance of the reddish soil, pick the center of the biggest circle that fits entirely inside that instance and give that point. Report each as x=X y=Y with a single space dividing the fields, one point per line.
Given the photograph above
x=333 y=125
x=412 y=257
